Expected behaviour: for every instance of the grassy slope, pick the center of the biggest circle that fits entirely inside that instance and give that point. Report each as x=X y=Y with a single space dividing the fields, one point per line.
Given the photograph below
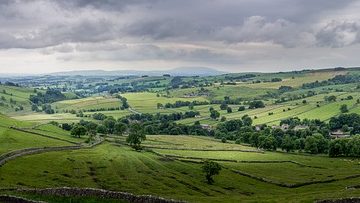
x=19 y=94
x=297 y=81
x=11 y=139
x=120 y=168
x=309 y=110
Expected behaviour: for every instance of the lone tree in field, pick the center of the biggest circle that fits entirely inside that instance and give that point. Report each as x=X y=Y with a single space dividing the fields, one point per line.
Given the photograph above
x=210 y=169
x=214 y=114
x=136 y=136
x=344 y=108
x=78 y=130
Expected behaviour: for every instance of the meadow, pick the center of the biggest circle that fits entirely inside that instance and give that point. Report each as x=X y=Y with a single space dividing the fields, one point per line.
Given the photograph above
x=88 y=103
x=176 y=173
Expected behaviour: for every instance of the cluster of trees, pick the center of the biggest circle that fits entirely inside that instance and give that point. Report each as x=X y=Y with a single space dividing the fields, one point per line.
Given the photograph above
x=163 y=117
x=213 y=113
x=177 y=82
x=349 y=121
x=227 y=100
x=290 y=140
x=339 y=79
x=240 y=77
x=178 y=104
x=313 y=139
x=345 y=147
x=99 y=116
x=107 y=126
x=50 y=96
x=292 y=97
x=7 y=83
x=256 y=104
x=331 y=98
x=276 y=79
x=125 y=104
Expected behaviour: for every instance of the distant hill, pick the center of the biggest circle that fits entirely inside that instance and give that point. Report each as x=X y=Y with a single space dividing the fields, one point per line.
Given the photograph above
x=181 y=71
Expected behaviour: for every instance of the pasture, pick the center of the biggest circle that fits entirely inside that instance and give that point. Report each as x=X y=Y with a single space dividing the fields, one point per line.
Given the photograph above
x=12 y=98
x=177 y=172
x=272 y=114
x=13 y=139
x=146 y=102
x=90 y=103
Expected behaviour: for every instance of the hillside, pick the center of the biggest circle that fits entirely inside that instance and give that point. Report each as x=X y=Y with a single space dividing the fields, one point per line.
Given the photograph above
x=15 y=99
x=270 y=133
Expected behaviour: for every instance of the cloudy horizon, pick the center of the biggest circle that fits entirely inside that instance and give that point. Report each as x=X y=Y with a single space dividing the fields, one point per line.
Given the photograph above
x=39 y=36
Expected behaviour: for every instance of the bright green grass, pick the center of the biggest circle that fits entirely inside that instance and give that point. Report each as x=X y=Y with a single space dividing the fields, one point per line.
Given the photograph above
x=20 y=95
x=326 y=168
x=121 y=168
x=46 y=118
x=54 y=131
x=88 y=103
x=14 y=140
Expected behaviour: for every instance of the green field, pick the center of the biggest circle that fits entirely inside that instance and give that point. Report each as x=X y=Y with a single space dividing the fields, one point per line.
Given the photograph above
x=87 y=103
x=147 y=102
x=284 y=110
x=12 y=139
x=19 y=97
x=120 y=168
x=45 y=118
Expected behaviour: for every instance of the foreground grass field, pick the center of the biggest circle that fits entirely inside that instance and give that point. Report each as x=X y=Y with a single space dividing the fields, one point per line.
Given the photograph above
x=118 y=167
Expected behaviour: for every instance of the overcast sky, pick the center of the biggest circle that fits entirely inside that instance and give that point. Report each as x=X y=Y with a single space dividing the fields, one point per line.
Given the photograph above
x=38 y=36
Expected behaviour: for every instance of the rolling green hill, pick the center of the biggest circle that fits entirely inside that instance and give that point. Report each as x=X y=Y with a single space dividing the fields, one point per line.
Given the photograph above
x=15 y=99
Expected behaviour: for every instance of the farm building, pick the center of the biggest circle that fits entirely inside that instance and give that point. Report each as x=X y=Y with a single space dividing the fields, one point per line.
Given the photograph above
x=339 y=134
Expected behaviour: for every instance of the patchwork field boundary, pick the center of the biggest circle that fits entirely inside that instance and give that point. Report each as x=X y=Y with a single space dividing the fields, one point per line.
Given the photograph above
x=198 y=160
x=296 y=185
x=4 y=158
x=235 y=161
x=205 y=150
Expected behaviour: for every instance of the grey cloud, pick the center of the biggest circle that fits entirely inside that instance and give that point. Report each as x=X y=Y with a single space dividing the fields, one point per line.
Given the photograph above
x=339 y=34
x=150 y=52
x=84 y=31
x=37 y=24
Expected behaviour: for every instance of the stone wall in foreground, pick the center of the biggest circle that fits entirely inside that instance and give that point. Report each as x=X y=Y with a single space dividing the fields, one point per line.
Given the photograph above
x=99 y=193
